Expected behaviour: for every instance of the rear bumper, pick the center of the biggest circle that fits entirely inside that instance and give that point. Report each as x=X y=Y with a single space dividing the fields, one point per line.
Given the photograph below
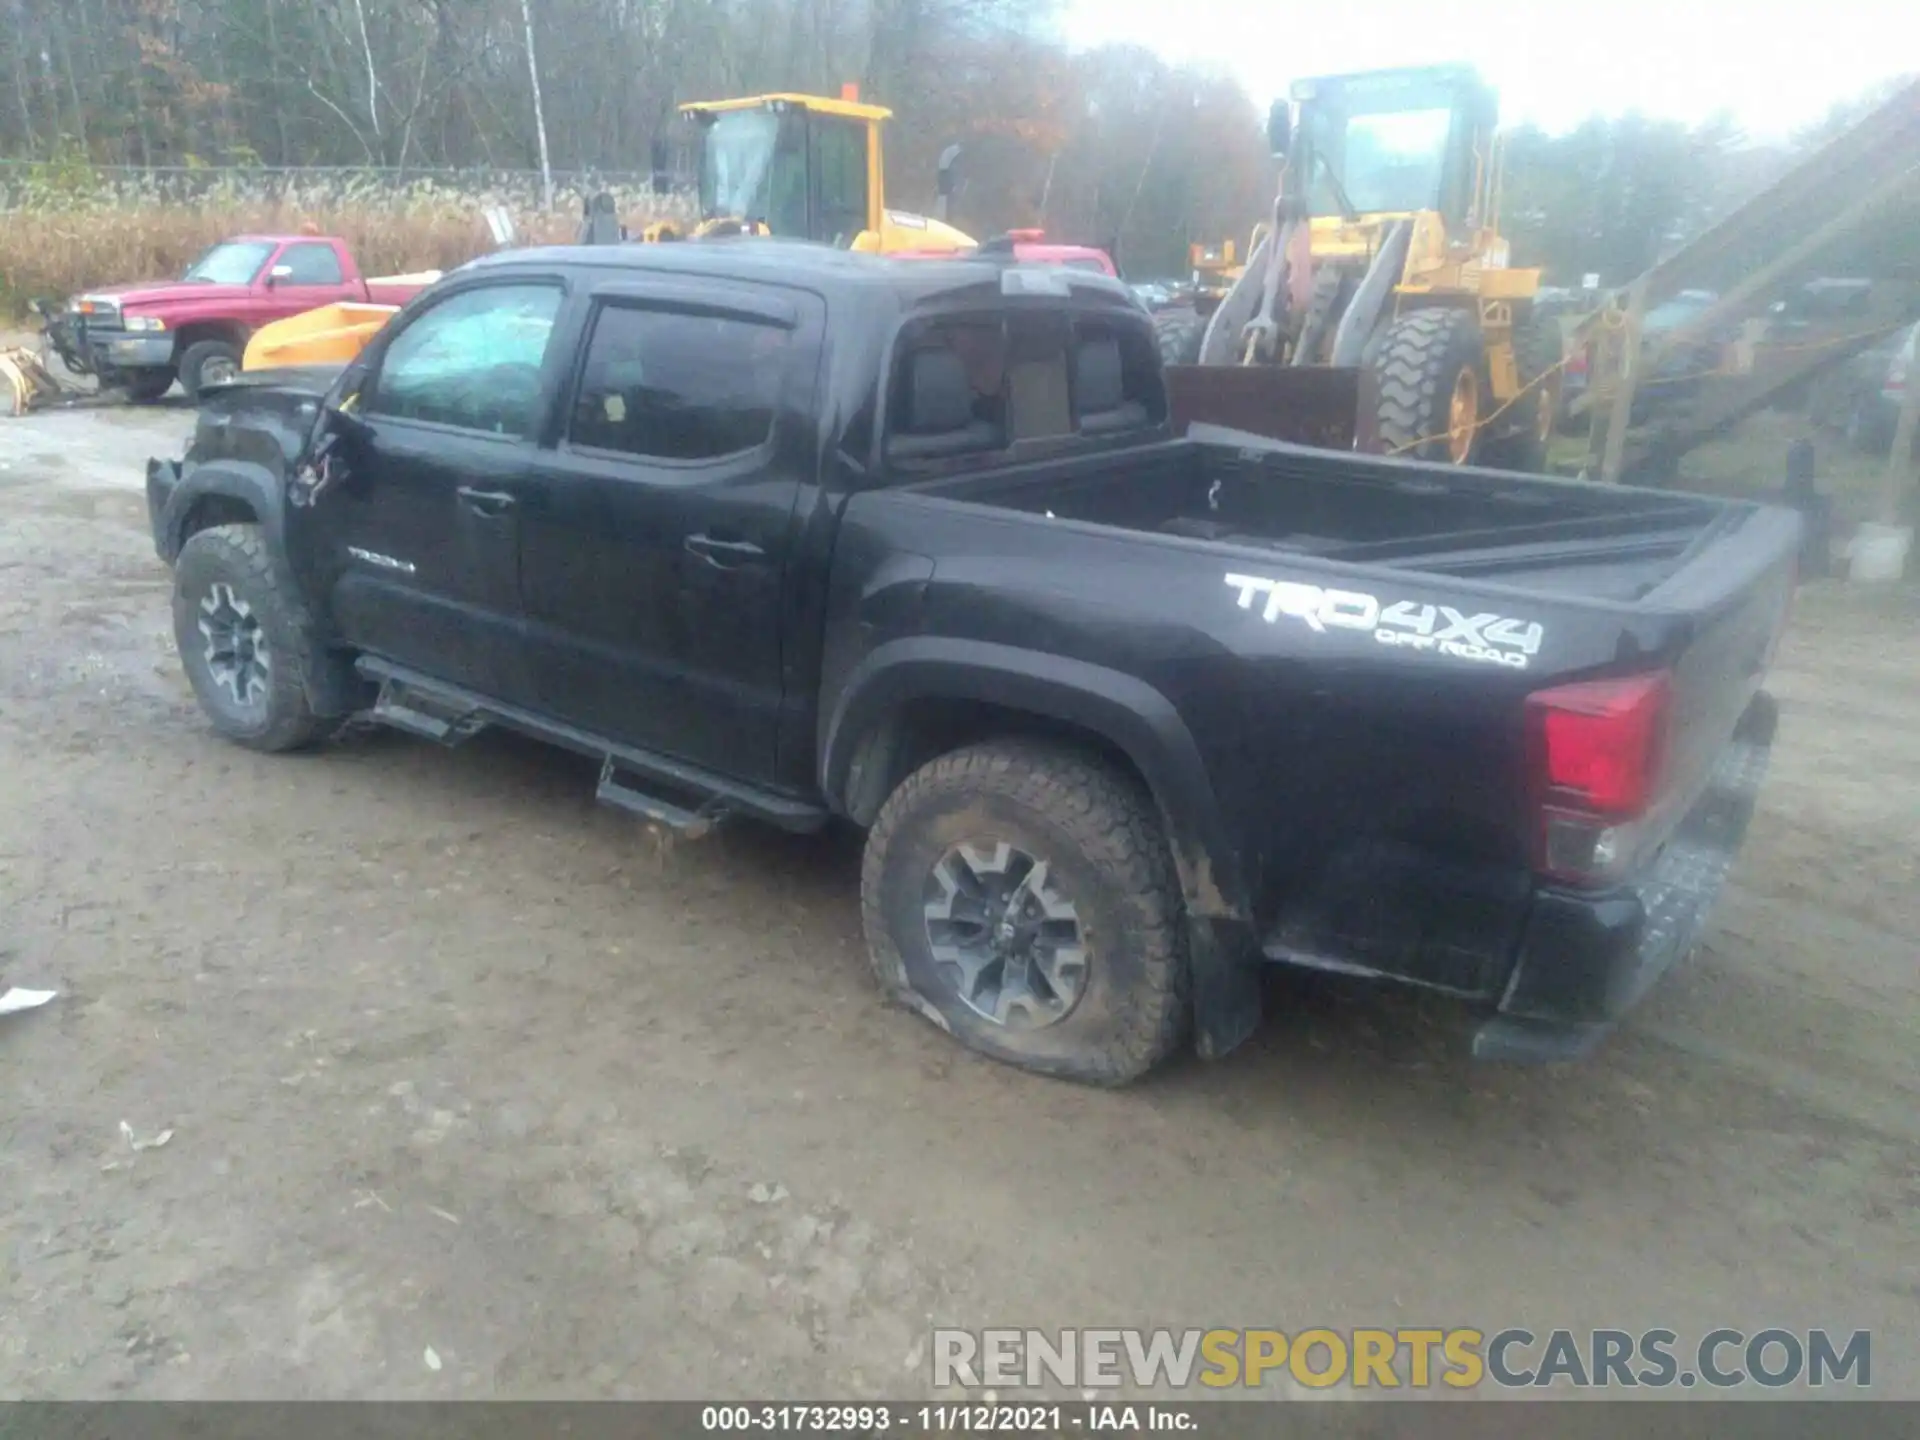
x=163 y=478
x=1585 y=959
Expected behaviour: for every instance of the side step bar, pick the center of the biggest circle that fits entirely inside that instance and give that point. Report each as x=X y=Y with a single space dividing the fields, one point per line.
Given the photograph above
x=448 y=715
x=678 y=818
x=419 y=712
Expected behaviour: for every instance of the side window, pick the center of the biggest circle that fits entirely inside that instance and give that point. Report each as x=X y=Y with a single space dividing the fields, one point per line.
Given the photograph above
x=473 y=360
x=667 y=385
x=839 y=179
x=311 y=265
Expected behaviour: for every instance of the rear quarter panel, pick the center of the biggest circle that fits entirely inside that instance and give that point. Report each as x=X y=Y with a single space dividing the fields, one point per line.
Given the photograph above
x=1329 y=761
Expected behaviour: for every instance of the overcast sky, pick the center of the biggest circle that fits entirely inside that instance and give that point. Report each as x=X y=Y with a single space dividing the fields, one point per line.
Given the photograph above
x=1775 y=64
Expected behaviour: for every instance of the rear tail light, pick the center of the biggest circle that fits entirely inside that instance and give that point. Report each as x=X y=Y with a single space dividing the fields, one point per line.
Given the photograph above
x=1577 y=362
x=1596 y=752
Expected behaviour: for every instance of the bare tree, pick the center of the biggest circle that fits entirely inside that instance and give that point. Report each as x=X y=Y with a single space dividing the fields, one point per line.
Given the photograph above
x=539 y=110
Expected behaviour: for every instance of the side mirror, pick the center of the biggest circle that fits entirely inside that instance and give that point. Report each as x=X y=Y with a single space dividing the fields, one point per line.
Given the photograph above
x=1279 y=129
x=279 y=273
x=943 y=182
x=947 y=158
x=340 y=415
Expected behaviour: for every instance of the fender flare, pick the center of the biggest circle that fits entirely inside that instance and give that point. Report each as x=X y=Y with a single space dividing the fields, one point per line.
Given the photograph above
x=1124 y=711
x=244 y=480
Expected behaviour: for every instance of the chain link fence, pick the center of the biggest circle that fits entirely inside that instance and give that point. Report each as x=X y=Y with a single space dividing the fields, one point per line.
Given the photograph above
x=45 y=185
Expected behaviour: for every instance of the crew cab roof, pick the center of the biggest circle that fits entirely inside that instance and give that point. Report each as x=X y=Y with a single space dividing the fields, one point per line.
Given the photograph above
x=838 y=275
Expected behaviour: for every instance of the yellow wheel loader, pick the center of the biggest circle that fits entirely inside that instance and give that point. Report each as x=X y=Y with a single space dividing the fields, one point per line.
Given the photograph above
x=800 y=166
x=1383 y=257
x=808 y=168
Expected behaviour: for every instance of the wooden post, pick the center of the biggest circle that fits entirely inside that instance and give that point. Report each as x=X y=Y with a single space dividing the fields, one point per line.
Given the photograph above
x=1620 y=414
x=1900 y=465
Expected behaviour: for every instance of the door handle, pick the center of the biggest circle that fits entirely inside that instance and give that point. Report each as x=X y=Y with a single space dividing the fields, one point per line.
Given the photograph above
x=490 y=503
x=724 y=554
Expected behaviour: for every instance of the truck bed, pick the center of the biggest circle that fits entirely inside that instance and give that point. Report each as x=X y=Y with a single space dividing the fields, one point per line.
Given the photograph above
x=1552 y=536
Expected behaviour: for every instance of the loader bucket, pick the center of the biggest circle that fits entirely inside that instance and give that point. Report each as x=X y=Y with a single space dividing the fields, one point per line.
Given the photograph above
x=330 y=335
x=1323 y=407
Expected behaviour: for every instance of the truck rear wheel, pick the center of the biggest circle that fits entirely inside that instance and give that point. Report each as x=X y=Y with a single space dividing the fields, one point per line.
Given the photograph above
x=1179 y=333
x=1434 y=388
x=1022 y=898
x=211 y=362
x=243 y=640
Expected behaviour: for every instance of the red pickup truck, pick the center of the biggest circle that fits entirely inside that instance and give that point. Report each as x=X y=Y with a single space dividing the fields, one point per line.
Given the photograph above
x=141 y=338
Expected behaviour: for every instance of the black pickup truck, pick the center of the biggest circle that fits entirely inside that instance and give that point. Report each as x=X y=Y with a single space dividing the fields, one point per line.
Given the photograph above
x=792 y=534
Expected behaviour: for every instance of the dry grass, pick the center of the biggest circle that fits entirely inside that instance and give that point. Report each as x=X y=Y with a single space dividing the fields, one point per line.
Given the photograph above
x=53 y=252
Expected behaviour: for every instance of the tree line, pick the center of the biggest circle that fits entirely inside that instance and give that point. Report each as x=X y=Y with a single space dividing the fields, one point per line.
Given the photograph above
x=1111 y=146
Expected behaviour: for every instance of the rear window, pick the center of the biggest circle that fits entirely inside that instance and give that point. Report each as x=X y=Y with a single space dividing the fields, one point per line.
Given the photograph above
x=967 y=388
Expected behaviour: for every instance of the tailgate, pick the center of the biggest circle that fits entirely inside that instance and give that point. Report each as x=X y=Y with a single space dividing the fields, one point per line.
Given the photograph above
x=1732 y=596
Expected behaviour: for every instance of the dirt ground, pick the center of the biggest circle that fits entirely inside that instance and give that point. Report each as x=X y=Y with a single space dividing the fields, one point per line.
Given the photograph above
x=474 y=1091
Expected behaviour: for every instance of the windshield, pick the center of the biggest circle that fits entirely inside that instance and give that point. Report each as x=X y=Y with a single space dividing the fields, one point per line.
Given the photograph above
x=753 y=166
x=737 y=161
x=1383 y=161
x=234 y=263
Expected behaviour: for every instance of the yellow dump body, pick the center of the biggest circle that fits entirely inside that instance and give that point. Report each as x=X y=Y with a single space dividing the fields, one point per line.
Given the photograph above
x=332 y=334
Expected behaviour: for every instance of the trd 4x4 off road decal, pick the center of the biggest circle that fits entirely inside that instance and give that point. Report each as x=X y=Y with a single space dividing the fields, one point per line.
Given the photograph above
x=1487 y=638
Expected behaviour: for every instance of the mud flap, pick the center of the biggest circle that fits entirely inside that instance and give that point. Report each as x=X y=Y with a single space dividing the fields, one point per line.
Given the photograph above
x=1226 y=987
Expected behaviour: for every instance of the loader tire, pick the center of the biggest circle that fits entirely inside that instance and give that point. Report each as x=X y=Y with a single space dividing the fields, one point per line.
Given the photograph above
x=1179 y=333
x=1434 y=387
x=1537 y=353
x=1022 y=897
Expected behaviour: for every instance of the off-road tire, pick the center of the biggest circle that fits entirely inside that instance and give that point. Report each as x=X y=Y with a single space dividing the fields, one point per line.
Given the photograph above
x=194 y=363
x=1420 y=358
x=143 y=387
x=1179 y=333
x=235 y=556
x=1100 y=832
x=1537 y=350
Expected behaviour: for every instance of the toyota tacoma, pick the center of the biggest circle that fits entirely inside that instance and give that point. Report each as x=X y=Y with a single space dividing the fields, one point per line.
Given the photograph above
x=783 y=533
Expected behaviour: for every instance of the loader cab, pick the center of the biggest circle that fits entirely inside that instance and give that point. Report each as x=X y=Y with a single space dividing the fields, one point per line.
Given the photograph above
x=803 y=167
x=1396 y=142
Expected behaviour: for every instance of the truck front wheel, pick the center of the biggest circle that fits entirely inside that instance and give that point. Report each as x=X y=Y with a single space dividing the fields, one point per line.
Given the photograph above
x=211 y=362
x=146 y=386
x=1022 y=897
x=243 y=640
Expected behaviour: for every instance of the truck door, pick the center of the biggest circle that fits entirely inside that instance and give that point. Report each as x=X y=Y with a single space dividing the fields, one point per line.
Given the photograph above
x=655 y=540
x=417 y=538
